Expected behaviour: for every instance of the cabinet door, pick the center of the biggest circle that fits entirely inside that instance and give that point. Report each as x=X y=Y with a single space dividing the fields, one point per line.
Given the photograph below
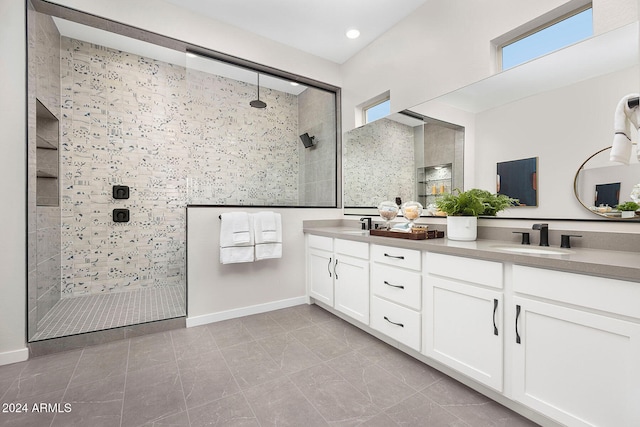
x=320 y=279
x=352 y=287
x=463 y=329
x=579 y=368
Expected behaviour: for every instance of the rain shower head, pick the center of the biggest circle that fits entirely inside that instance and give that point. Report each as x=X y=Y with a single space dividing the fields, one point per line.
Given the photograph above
x=256 y=103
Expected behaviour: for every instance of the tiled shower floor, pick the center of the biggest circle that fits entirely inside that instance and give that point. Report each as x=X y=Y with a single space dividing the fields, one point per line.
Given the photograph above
x=72 y=316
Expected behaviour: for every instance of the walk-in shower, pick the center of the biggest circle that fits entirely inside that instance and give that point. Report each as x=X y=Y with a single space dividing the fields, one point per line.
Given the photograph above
x=123 y=135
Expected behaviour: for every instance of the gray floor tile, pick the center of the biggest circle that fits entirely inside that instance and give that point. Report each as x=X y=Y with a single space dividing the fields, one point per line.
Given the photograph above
x=151 y=394
x=281 y=403
x=290 y=319
x=418 y=410
x=250 y=364
x=289 y=353
x=382 y=388
x=192 y=342
x=337 y=400
x=488 y=414
x=206 y=378
x=262 y=326
x=348 y=334
x=232 y=411
x=320 y=342
x=101 y=362
x=181 y=419
x=31 y=418
x=31 y=384
x=229 y=332
x=449 y=392
x=150 y=350
x=313 y=313
x=380 y=420
x=411 y=371
x=95 y=404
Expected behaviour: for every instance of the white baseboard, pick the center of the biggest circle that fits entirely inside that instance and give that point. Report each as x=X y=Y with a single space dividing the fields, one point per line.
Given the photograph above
x=9 y=357
x=244 y=311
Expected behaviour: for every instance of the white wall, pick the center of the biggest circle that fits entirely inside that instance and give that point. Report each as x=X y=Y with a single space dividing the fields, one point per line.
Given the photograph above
x=13 y=173
x=216 y=291
x=445 y=45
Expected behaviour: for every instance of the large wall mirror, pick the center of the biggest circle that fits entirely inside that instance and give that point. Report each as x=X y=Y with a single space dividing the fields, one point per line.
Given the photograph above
x=558 y=108
x=403 y=157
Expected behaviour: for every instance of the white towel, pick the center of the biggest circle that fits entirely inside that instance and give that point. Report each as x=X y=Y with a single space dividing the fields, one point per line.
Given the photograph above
x=236 y=229
x=268 y=251
x=623 y=117
x=236 y=254
x=267 y=227
x=236 y=238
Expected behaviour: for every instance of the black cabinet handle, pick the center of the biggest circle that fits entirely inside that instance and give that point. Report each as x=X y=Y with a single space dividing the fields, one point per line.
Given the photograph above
x=394 y=256
x=393 y=323
x=495 y=308
x=393 y=286
x=335 y=273
x=517 y=317
x=329 y=267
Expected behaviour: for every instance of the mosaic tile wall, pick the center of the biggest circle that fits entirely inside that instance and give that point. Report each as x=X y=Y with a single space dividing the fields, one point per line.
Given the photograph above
x=174 y=136
x=317 y=117
x=43 y=224
x=378 y=163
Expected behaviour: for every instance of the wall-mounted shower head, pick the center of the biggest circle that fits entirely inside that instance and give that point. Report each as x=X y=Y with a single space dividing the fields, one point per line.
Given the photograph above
x=256 y=103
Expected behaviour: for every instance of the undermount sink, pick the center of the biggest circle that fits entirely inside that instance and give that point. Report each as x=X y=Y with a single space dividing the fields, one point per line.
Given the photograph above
x=536 y=250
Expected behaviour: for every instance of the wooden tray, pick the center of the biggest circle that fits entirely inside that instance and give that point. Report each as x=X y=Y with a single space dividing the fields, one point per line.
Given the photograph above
x=430 y=234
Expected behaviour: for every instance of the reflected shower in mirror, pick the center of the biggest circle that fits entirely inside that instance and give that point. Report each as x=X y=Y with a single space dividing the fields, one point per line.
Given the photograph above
x=518 y=179
x=404 y=155
x=601 y=186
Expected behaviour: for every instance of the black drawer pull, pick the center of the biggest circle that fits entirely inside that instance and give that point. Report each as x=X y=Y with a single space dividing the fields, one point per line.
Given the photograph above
x=495 y=308
x=393 y=323
x=393 y=286
x=328 y=267
x=517 y=316
x=394 y=256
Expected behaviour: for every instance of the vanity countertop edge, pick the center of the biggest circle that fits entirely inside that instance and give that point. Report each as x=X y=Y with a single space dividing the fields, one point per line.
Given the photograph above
x=594 y=262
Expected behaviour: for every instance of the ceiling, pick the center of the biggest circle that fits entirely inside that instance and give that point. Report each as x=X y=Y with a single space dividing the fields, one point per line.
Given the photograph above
x=314 y=26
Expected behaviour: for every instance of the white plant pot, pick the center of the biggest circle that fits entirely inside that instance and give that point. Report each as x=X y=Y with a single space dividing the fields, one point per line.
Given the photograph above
x=463 y=228
x=628 y=214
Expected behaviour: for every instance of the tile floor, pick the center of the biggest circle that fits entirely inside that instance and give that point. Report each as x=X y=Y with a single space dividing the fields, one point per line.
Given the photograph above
x=71 y=316
x=299 y=366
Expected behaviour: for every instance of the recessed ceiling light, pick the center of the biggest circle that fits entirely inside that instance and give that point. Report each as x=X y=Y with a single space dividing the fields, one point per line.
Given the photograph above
x=353 y=33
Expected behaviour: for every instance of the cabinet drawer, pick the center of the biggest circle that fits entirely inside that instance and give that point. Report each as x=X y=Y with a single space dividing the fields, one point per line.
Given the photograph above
x=320 y=242
x=611 y=295
x=352 y=248
x=399 y=257
x=395 y=321
x=397 y=285
x=487 y=273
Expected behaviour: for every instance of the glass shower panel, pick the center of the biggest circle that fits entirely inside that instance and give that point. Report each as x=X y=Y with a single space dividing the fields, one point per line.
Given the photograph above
x=243 y=155
x=119 y=102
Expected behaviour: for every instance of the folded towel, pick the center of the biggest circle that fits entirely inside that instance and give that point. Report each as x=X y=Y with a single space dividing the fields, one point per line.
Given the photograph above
x=621 y=149
x=268 y=251
x=236 y=254
x=623 y=117
x=267 y=227
x=236 y=229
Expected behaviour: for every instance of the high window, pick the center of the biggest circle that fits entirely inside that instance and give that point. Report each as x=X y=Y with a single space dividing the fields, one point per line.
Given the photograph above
x=377 y=110
x=550 y=37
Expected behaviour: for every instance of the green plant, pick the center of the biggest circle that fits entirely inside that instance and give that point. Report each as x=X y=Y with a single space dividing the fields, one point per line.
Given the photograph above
x=474 y=202
x=628 y=206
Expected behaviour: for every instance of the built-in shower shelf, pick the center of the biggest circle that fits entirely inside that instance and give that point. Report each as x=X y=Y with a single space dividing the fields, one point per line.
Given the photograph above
x=47 y=161
x=43 y=143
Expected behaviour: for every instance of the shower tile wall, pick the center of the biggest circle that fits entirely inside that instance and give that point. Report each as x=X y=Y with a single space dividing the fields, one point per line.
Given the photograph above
x=316 y=115
x=379 y=163
x=175 y=136
x=43 y=227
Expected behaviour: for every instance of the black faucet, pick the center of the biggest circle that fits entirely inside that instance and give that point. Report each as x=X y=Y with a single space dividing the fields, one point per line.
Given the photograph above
x=367 y=224
x=544 y=233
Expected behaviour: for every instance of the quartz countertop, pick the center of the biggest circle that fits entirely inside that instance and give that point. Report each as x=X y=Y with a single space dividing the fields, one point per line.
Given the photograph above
x=594 y=262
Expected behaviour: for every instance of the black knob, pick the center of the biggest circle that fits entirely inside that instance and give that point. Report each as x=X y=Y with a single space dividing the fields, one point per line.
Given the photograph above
x=525 y=237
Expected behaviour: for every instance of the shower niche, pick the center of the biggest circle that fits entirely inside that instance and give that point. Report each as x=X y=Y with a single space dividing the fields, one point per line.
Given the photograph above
x=47 y=161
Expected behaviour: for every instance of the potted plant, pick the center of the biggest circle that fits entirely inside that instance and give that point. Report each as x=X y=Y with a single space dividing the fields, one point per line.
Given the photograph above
x=628 y=209
x=464 y=207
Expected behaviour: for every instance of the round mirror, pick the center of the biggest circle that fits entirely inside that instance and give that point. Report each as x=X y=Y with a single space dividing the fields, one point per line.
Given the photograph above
x=610 y=190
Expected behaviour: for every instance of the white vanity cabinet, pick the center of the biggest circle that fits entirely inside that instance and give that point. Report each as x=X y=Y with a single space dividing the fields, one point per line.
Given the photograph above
x=577 y=347
x=338 y=275
x=396 y=293
x=463 y=326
